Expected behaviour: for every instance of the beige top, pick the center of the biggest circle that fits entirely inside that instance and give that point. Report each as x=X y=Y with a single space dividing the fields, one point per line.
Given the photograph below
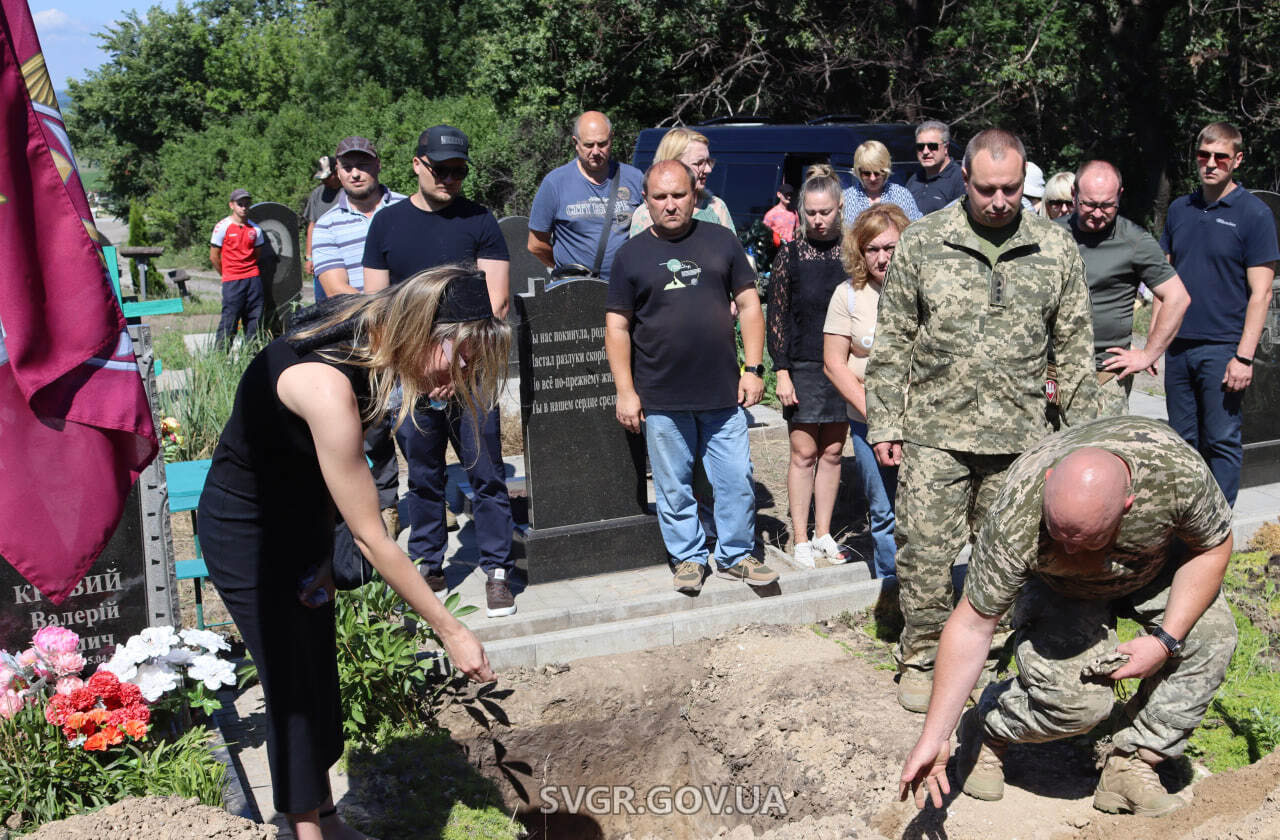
x=852 y=313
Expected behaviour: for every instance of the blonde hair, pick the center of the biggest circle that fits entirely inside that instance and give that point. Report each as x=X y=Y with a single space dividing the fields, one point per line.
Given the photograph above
x=1059 y=187
x=820 y=178
x=873 y=155
x=869 y=224
x=395 y=334
x=675 y=141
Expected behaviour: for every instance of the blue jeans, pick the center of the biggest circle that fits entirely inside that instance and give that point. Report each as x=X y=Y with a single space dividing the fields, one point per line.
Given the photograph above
x=880 y=486
x=717 y=438
x=241 y=301
x=1202 y=411
x=423 y=447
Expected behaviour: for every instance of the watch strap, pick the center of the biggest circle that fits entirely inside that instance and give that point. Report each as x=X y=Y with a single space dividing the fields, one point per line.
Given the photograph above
x=758 y=370
x=1242 y=360
x=1171 y=644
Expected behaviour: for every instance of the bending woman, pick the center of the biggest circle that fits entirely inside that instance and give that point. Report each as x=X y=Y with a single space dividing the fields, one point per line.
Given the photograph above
x=290 y=455
x=850 y=329
x=806 y=271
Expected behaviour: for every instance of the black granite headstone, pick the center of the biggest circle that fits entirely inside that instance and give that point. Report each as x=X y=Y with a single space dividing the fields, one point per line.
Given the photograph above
x=588 y=507
x=1261 y=426
x=526 y=270
x=280 y=264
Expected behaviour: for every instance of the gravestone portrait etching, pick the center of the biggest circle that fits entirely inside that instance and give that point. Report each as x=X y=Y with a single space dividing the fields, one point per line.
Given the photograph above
x=1261 y=411
x=588 y=499
x=280 y=264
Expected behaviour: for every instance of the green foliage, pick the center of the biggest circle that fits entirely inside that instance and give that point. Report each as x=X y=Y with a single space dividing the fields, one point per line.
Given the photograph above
x=43 y=778
x=137 y=225
x=203 y=405
x=385 y=680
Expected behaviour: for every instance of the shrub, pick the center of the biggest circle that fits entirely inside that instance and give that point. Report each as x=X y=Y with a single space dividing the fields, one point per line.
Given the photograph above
x=202 y=406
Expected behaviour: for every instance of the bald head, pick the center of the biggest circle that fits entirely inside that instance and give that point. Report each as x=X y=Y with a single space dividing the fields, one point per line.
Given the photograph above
x=1097 y=195
x=593 y=142
x=1085 y=496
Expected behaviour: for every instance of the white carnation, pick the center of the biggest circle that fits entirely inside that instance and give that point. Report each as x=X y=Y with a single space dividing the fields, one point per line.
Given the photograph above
x=206 y=639
x=155 y=680
x=212 y=671
x=122 y=665
x=179 y=656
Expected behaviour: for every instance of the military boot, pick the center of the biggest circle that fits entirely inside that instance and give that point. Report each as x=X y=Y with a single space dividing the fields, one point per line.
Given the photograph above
x=1130 y=784
x=914 y=688
x=980 y=762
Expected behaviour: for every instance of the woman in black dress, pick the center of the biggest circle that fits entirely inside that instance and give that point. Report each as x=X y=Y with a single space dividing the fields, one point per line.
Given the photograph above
x=291 y=456
x=806 y=271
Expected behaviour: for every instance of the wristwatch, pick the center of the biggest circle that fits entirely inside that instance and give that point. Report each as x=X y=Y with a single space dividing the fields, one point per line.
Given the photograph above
x=1174 y=646
x=758 y=370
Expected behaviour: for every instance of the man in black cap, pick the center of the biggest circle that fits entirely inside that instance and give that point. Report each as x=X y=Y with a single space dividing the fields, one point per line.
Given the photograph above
x=436 y=226
x=318 y=202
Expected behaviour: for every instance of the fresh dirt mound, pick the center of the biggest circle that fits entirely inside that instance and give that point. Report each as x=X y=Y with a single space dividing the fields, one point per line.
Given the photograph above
x=155 y=818
x=812 y=724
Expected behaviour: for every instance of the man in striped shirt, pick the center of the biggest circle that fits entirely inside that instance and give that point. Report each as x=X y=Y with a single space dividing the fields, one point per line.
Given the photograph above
x=337 y=248
x=337 y=245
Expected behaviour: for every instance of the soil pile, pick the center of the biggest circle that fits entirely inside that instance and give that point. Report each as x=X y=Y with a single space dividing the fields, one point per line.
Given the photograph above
x=155 y=818
x=784 y=733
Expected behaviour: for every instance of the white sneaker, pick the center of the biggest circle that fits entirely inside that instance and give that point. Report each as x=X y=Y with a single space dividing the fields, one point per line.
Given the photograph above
x=802 y=555
x=827 y=547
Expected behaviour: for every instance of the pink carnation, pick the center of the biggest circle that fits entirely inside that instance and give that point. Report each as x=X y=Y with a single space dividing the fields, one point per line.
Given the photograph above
x=10 y=703
x=28 y=658
x=53 y=639
x=66 y=685
x=7 y=676
x=66 y=663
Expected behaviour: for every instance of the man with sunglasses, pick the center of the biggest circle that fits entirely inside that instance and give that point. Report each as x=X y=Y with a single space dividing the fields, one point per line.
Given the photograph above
x=1118 y=257
x=1222 y=241
x=435 y=226
x=938 y=181
x=582 y=211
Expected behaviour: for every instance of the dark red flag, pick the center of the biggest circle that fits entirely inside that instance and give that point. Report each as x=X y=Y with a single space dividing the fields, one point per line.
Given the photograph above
x=75 y=425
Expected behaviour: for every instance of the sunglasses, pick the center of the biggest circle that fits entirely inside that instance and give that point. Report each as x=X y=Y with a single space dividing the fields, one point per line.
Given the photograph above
x=447 y=173
x=1219 y=158
x=1098 y=205
x=1059 y=202
x=933 y=147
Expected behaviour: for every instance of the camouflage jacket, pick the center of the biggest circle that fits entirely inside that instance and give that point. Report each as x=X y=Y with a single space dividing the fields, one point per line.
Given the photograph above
x=1176 y=497
x=961 y=346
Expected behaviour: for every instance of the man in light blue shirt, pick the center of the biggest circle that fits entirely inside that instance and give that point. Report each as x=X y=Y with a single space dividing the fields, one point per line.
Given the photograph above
x=568 y=216
x=337 y=244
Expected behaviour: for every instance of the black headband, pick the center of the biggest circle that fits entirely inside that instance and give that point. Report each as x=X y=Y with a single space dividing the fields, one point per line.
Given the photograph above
x=466 y=298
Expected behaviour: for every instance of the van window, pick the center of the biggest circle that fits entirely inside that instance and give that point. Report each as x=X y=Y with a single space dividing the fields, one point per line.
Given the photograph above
x=749 y=193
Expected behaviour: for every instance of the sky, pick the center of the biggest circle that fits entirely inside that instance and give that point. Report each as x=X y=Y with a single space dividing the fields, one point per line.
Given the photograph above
x=66 y=30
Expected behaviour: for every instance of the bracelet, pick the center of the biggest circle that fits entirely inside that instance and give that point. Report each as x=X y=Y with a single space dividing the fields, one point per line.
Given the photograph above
x=1242 y=360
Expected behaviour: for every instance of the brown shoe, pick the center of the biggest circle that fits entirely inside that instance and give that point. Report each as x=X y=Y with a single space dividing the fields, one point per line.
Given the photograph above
x=688 y=577
x=749 y=570
x=914 y=688
x=434 y=578
x=980 y=760
x=391 y=519
x=498 y=595
x=1130 y=784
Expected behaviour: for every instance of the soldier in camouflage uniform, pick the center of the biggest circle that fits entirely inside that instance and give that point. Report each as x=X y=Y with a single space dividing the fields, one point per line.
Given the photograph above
x=1115 y=518
x=955 y=385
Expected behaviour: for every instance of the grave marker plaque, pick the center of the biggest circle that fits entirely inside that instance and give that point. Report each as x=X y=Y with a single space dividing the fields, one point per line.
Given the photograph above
x=588 y=502
x=1260 y=427
x=280 y=264
x=130 y=586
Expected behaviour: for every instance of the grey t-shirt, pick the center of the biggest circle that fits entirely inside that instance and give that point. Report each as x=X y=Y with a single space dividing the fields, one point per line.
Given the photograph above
x=322 y=198
x=1115 y=262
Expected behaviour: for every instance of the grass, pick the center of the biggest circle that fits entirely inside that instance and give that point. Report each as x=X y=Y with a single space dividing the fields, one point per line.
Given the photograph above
x=203 y=405
x=421 y=785
x=1141 y=318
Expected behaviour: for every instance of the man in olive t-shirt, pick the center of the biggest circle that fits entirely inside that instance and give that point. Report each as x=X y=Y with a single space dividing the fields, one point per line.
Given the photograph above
x=1116 y=517
x=1118 y=257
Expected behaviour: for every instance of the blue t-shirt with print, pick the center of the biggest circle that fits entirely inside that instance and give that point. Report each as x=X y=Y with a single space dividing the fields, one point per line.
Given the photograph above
x=572 y=209
x=1212 y=246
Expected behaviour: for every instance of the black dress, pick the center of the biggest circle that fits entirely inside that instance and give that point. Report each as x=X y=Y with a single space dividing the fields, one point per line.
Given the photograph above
x=265 y=519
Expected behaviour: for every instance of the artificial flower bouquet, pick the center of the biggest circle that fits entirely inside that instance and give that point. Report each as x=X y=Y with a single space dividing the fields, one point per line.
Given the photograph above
x=68 y=744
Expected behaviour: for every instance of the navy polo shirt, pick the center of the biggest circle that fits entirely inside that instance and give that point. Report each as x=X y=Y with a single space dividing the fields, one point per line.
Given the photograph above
x=1211 y=246
x=940 y=190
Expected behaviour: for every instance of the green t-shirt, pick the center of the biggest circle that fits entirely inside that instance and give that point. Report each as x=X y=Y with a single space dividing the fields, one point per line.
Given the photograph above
x=992 y=240
x=1116 y=261
x=1176 y=499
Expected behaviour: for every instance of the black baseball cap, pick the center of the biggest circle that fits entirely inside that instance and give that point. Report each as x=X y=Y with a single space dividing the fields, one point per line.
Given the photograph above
x=443 y=142
x=787 y=190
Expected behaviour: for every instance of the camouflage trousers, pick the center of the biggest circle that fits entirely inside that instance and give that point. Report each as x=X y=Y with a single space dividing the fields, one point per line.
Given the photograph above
x=1113 y=395
x=1058 y=638
x=942 y=497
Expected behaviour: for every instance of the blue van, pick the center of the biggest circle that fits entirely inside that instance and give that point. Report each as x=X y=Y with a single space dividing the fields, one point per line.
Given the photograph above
x=754 y=158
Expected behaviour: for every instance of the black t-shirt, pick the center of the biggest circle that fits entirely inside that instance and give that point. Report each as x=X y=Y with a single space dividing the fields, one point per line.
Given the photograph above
x=677 y=293
x=404 y=240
